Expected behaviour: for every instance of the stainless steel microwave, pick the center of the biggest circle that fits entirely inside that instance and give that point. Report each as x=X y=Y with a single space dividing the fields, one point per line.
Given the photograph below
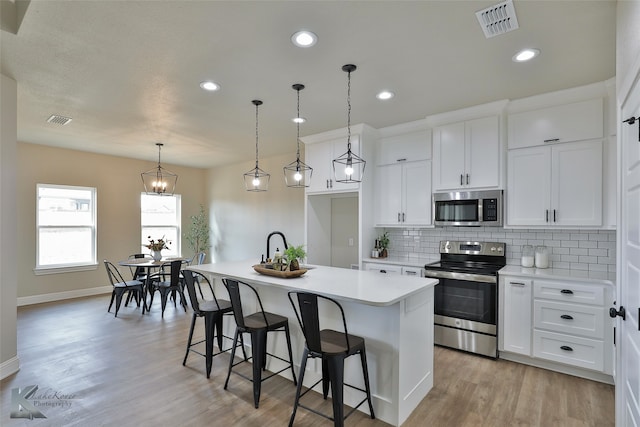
x=468 y=208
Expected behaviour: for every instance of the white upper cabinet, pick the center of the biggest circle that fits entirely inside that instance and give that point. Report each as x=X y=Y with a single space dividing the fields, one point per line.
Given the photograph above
x=576 y=121
x=320 y=155
x=559 y=185
x=406 y=147
x=467 y=155
x=403 y=194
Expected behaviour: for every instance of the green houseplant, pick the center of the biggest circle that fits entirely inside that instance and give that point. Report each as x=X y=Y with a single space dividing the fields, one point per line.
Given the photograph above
x=293 y=254
x=383 y=241
x=198 y=234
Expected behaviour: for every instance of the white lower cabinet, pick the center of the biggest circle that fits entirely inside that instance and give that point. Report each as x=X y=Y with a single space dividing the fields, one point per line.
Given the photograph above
x=383 y=268
x=557 y=321
x=515 y=317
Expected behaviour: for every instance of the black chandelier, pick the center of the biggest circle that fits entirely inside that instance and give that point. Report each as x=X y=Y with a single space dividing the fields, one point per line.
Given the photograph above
x=349 y=167
x=297 y=174
x=256 y=179
x=159 y=180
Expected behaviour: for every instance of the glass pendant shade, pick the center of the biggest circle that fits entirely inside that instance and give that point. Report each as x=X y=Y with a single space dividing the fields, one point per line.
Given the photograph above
x=159 y=180
x=256 y=179
x=297 y=174
x=349 y=167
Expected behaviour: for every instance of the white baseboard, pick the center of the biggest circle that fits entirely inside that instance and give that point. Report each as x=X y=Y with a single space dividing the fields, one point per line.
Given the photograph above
x=58 y=296
x=9 y=367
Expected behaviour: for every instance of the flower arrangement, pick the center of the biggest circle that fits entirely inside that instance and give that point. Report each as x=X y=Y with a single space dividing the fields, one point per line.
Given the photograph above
x=158 y=245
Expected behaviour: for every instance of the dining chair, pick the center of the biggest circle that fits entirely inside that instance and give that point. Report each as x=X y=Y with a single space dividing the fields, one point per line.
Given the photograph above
x=165 y=287
x=120 y=286
x=332 y=347
x=257 y=325
x=212 y=311
x=137 y=273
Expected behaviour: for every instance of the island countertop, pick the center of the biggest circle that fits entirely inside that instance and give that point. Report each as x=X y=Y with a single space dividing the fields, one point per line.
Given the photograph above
x=364 y=287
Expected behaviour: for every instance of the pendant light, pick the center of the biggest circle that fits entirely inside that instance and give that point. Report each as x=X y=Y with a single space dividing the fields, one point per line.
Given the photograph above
x=256 y=179
x=297 y=174
x=349 y=167
x=159 y=180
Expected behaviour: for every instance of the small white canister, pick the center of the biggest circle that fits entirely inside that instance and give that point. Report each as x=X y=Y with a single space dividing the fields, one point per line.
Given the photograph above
x=527 y=259
x=542 y=257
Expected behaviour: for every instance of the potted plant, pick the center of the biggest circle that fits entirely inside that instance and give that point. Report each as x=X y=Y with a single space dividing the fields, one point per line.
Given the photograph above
x=293 y=254
x=383 y=241
x=198 y=234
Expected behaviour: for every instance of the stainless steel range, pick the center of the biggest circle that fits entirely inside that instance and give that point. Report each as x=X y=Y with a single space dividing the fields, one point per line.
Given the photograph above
x=466 y=298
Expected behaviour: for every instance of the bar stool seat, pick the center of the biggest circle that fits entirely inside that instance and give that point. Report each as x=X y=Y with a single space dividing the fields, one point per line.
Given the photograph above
x=333 y=347
x=257 y=325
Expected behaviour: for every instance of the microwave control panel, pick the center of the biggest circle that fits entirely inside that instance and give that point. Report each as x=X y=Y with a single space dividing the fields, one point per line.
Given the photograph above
x=490 y=209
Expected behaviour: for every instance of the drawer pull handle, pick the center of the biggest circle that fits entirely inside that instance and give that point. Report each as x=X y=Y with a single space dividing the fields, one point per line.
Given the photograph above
x=566 y=348
x=546 y=141
x=517 y=283
x=566 y=317
x=566 y=291
x=383 y=271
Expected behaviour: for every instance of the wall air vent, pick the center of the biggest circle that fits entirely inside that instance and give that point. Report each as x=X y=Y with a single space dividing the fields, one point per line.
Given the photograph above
x=59 y=120
x=498 y=19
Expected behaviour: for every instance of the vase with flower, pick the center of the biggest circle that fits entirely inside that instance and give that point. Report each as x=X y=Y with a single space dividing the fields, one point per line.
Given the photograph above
x=156 y=247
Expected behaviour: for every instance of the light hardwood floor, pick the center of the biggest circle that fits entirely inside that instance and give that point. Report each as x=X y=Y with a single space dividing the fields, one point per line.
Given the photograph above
x=127 y=371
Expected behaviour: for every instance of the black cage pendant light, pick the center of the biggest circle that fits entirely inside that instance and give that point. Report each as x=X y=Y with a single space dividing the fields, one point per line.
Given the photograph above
x=256 y=179
x=349 y=167
x=159 y=180
x=297 y=174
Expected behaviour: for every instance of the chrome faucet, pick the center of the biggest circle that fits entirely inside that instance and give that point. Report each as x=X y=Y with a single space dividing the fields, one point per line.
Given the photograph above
x=269 y=239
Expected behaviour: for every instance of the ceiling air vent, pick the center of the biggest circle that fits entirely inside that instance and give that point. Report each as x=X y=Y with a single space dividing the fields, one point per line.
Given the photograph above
x=59 y=120
x=498 y=19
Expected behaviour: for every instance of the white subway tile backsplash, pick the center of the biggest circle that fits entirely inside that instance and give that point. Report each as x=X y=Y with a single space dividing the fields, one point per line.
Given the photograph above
x=569 y=249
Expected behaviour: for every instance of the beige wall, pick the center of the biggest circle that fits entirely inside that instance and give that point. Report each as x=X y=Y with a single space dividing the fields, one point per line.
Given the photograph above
x=242 y=220
x=118 y=186
x=8 y=235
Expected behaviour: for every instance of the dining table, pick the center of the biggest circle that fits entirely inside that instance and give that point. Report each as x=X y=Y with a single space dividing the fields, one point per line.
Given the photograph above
x=149 y=264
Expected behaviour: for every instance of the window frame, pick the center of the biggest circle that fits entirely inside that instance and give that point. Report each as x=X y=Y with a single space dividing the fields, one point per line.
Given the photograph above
x=93 y=227
x=176 y=246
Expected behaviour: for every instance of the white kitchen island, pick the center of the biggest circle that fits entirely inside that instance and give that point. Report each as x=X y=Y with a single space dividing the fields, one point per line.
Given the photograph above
x=393 y=314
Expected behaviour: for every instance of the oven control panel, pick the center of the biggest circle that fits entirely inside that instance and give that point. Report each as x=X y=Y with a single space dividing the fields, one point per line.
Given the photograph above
x=472 y=248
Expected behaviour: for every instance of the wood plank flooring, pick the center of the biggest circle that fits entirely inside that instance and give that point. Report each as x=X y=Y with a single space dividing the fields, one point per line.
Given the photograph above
x=127 y=371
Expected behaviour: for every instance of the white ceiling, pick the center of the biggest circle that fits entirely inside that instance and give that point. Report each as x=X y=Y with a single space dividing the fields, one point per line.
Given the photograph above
x=128 y=72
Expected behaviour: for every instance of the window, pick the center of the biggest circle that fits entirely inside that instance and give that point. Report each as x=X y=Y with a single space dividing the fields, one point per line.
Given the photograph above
x=66 y=223
x=160 y=217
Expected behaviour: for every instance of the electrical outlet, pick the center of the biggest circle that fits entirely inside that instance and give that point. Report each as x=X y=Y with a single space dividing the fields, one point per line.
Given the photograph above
x=350 y=241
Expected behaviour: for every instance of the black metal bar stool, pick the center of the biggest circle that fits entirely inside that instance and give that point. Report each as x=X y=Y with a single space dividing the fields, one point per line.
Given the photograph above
x=256 y=324
x=333 y=347
x=212 y=311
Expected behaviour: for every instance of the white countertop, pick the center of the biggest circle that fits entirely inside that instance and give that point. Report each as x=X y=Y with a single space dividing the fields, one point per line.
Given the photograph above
x=404 y=260
x=560 y=274
x=359 y=286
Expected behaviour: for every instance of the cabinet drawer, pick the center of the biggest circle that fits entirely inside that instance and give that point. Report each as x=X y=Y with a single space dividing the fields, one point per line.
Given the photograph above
x=582 y=352
x=569 y=292
x=383 y=268
x=585 y=320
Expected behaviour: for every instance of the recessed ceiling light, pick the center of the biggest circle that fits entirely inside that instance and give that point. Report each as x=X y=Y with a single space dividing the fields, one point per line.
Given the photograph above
x=304 y=38
x=298 y=120
x=385 y=94
x=210 y=86
x=525 y=55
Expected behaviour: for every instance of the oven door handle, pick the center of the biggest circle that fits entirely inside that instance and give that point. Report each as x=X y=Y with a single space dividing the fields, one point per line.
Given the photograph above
x=437 y=274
